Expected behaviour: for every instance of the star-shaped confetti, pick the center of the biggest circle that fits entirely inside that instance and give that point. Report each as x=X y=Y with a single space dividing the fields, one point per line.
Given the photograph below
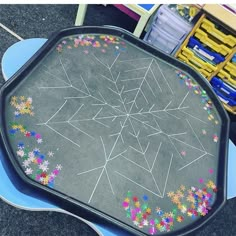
x=210 y=171
x=201 y=180
x=28 y=171
x=39 y=140
x=183 y=153
x=50 y=154
x=215 y=138
x=204 y=132
x=170 y=194
x=59 y=167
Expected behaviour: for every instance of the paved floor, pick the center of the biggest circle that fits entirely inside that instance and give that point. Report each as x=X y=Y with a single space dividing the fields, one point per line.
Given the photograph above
x=27 y=21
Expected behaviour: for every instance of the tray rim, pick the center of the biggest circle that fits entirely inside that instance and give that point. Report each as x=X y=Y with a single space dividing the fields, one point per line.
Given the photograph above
x=82 y=209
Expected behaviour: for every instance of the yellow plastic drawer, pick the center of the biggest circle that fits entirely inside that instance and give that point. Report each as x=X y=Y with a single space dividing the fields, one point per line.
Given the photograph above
x=231 y=68
x=205 y=73
x=197 y=61
x=211 y=29
x=230 y=109
x=227 y=77
x=203 y=37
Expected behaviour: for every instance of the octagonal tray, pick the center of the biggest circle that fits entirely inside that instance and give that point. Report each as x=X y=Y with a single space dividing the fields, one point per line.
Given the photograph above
x=117 y=132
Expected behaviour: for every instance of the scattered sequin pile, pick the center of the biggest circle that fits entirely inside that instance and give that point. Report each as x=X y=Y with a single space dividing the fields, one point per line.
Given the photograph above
x=16 y=127
x=34 y=162
x=36 y=165
x=192 y=85
x=141 y=215
x=23 y=106
x=193 y=202
x=102 y=42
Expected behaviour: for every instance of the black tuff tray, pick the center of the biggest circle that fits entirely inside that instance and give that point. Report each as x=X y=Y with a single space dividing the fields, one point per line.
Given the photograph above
x=117 y=132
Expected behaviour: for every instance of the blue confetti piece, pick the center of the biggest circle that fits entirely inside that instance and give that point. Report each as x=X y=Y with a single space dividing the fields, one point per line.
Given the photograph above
x=160 y=213
x=145 y=197
x=51 y=184
x=32 y=133
x=21 y=144
x=167 y=220
x=12 y=131
x=42 y=156
x=36 y=153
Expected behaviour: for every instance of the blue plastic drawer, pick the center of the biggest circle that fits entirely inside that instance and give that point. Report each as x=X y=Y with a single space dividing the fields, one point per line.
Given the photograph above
x=227 y=89
x=224 y=99
x=226 y=93
x=202 y=51
x=234 y=59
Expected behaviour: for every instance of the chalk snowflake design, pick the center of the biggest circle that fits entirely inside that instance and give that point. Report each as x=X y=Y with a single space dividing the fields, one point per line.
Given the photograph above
x=128 y=117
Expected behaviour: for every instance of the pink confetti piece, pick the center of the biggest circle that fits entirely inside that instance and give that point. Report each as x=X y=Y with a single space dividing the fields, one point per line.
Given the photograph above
x=201 y=180
x=37 y=136
x=204 y=132
x=215 y=138
x=183 y=153
x=210 y=171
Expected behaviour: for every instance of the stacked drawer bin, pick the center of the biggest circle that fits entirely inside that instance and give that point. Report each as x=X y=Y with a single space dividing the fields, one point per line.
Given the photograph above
x=224 y=85
x=225 y=92
x=211 y=29
x=210 y=50
x=168 y=30
x=210 y=47
x=200 y=57
x=228 y=72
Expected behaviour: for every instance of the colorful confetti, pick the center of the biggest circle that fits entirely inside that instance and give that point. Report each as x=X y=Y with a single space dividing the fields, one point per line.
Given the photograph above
x=36 y=166
x=23 y=106
x=17 y=127
x=191 y=202
x=204 y=132
x=33 y=161
x=102 y=42
x=215 y=138
x=183 y=153
x=192 y=85
x=210 y=171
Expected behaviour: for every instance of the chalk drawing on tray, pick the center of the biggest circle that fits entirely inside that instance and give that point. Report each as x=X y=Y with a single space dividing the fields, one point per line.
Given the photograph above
x=134 y=108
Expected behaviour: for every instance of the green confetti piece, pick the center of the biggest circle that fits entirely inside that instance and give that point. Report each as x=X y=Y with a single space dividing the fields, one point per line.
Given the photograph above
x=174 y=210
x=129 y=194
x=156 y=221
x=128 y=215
x=144 y=206
x=139 y=215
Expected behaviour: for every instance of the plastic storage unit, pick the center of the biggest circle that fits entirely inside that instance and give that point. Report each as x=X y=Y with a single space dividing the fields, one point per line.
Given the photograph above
x=210 y=49
x=165 y=35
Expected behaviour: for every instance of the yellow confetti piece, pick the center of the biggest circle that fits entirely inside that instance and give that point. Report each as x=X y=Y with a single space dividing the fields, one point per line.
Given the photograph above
x=182 y=187
x=179 y=219
x=149 y=210
x=14 y=126
x=127 y=200
x=158 y=226
x=14 y=98
x=189 y=214
x=170 y=194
